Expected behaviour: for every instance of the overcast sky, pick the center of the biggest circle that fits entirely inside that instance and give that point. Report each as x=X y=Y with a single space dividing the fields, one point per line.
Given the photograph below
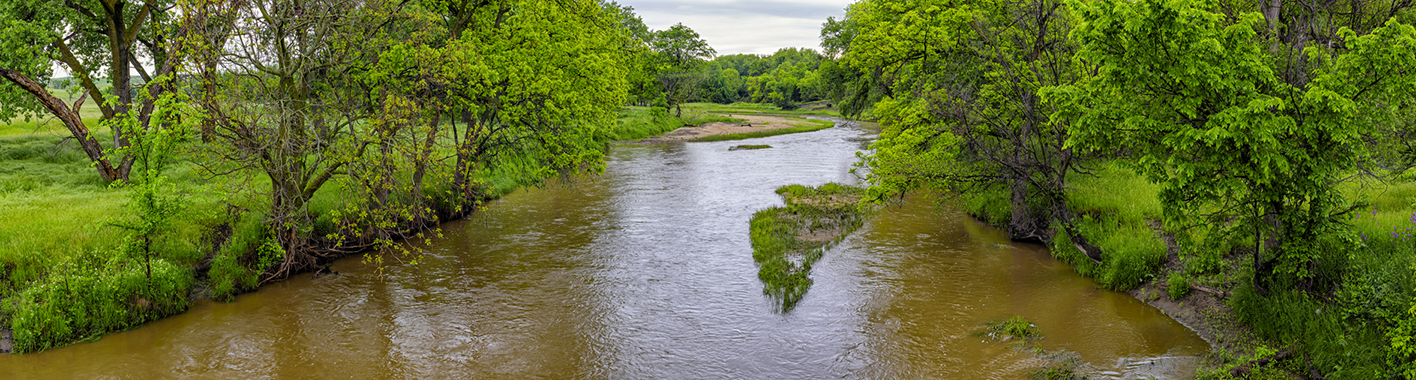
x=731 y=26
x=744 y=26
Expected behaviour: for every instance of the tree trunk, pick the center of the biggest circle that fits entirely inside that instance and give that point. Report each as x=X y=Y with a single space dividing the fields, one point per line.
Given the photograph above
x=120 y=58
x=1024 y=224
x=71 y=120
x=1271 y=10
x=420 y=165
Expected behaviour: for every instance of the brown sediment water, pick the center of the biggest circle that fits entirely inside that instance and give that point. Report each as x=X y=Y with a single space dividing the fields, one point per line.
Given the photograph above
x=646 y=272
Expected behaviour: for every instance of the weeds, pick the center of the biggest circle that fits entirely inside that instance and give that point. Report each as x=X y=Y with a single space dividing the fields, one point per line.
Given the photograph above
x=1011 y=328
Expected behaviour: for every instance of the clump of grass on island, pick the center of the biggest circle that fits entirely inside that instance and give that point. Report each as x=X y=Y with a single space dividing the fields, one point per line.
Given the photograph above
x=1057 y=365
x=807 y=125
x=1060 y=365
x=1014 y=327
x=787 y=240
x=750 y=147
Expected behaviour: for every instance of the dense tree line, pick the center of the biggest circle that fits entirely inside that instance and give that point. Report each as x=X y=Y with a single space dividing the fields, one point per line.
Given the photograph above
x=786 y=78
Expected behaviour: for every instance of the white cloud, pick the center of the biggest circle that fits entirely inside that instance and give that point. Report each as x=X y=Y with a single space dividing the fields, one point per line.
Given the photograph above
x=736 y=26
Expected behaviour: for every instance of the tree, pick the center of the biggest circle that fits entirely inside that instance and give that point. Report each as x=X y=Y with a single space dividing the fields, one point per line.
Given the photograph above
x=962 y=110
x=293 y=108
x=643 y=66
x=1247 y=131
x=92 y=39
x=681 y=53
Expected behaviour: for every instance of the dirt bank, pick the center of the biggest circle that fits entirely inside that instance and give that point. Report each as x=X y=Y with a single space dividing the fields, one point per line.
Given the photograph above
x=752 y=123
x=1203 y=309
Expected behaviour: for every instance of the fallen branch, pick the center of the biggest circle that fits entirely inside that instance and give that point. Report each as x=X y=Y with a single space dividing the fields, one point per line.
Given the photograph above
x=1211 y=291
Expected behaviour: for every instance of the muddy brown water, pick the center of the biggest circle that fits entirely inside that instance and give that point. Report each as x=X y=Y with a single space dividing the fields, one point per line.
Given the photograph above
x=646 y=272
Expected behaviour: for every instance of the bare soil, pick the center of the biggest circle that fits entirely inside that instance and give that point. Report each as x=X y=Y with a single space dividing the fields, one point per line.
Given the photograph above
x=753 y=123
x=1205 y=313
x=7 y=341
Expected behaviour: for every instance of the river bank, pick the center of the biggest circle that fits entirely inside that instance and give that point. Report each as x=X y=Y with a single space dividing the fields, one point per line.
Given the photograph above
x=45 y=195
x=646 y=272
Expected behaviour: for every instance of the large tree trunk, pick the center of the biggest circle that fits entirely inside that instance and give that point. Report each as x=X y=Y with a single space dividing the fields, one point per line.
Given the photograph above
x=71 y=120
x=1271 y=10
x=1024 y=224
x=120 y=58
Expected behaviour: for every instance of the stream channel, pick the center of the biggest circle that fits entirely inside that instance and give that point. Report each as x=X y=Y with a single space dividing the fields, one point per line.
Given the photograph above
x=646 y=272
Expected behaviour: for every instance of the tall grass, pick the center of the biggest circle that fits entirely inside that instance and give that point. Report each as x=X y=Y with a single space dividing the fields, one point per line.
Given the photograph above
x=640 y=122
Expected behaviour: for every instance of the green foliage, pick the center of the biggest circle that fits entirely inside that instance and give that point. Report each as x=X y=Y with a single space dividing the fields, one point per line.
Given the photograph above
x=1177 y=286
x=152 y=199
x=1270 y=371
x=1213 y=122
x=1401 y=341
x=785 y=78
x=786 y=241
x=93 y=296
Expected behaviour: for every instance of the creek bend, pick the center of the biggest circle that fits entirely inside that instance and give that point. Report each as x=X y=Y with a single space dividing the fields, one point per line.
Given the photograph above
x=646 y=272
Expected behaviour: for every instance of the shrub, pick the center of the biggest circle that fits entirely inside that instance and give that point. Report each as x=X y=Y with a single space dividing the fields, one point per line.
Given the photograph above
x=1177 y=286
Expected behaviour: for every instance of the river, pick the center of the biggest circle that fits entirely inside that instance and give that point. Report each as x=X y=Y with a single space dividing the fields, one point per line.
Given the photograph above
x=646 y=272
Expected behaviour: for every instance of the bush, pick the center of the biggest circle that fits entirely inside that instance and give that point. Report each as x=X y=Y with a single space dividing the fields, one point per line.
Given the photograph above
x=1177 y=285
x=1401 y=344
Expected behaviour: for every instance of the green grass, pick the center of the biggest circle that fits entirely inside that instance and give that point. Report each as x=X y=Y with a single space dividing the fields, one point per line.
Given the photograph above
x=787 y=241
x=641 y=122
x=1117 y=207
x=806 y=126
x=46 y=125
x=700 y=117
x=750 y=147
